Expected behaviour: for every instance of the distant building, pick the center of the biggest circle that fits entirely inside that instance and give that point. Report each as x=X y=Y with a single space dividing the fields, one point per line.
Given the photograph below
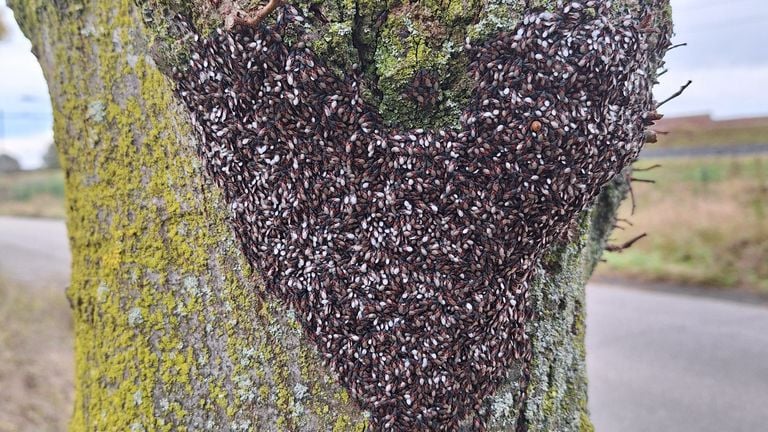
x=705 y=122
x=703 y=131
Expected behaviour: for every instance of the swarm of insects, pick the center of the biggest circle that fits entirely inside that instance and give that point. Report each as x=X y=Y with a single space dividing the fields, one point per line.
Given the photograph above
x=407 y=253
x=424 y=89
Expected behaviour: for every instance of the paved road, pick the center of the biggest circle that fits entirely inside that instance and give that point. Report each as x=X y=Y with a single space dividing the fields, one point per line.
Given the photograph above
x=651 y=152
x=662 y=362
x=34 y=251
x=657 y=362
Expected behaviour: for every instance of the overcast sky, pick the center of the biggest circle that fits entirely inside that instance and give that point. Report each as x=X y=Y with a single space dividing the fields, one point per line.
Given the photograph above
x=726 y=57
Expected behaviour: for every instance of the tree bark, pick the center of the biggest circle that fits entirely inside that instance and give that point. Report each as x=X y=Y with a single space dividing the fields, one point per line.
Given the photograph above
x=3 y=29
x=173 y=329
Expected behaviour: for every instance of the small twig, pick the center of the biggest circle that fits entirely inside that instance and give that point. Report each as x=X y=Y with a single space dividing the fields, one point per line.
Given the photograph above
x=678 y=93
x=632 y=196
x=635 y=179
x=677 y=46
x=618 y=225
x=626 y=221
x=652 y=167
x=260 y=14
x=663 y=71
x=626 y=245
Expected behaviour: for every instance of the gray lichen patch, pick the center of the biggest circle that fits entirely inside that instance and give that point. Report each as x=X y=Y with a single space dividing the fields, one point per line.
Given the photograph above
x=135 y=317
x=557 y=389
x=557 y=396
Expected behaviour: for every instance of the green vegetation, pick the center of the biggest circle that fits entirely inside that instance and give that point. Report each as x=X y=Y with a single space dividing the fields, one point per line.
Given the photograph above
x=708 y=224
x=32 y=193
x=51 y=158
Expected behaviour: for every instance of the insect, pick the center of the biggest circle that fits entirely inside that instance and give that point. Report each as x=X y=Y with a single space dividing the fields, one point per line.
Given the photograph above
x=407 y=253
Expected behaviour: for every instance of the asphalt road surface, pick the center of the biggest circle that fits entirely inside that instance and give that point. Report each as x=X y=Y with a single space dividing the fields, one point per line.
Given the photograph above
x=664 y=362
x=657 y=362
x=34 y=251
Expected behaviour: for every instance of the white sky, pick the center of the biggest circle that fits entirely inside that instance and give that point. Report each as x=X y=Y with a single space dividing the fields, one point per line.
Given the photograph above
x=726 y=57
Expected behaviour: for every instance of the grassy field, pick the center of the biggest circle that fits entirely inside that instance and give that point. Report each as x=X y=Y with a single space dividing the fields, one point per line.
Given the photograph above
x=707 y=221
x=36 y=364
x=32 y=194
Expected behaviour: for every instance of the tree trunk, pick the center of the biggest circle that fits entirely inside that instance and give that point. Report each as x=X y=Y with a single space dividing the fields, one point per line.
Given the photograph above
x=174 y=331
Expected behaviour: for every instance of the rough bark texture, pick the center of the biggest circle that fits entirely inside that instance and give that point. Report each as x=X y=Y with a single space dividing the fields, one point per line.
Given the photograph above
x=173 y=330
x=3 y=30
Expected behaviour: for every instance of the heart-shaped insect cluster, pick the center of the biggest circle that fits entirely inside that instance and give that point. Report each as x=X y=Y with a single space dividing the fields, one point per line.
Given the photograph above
x=406 y=253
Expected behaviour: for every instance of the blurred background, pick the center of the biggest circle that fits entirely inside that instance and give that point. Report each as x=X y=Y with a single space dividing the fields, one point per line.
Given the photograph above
x=678 y=323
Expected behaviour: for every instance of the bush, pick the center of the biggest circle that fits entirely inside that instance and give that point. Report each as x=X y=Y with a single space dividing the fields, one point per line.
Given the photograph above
x=51 y=157
x=9 y=164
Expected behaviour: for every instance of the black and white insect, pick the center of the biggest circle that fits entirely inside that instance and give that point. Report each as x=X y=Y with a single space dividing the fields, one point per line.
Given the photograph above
x=407 y=253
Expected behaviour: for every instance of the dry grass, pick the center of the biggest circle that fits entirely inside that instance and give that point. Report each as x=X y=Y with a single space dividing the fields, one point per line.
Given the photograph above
x=36 y=360
x=708 y=224
x=32 y=194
